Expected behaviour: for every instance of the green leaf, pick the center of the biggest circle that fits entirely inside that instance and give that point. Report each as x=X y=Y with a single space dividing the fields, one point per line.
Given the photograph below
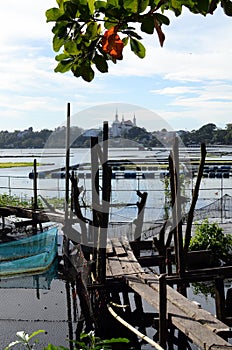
x=227 y=7
x=71 y=47
x=57 y=43
x=60 y=28
x=125 y=40
x=131 y=33
x=60 y=3
x=76 y=2
x=100 y=63
x=100 y=5
x=176 y=6
x=114 y=340
x=53 y=347
x=53 y=14
x=62 y=57
x=91 y=6
x=203 y=6
x=131 y=5
x=92 y=31
x=87 y=73
x=70 y=9
x=137 y=48
x=76 y=70
x=112 y=3
x=36 y=333
x=142 y=5
x=162 y=19
x=64 y=66
x=148 y=25
x=153 y=3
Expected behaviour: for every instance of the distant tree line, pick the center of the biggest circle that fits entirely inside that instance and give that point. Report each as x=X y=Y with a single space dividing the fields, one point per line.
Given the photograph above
x=45 y=138
x=209 y=134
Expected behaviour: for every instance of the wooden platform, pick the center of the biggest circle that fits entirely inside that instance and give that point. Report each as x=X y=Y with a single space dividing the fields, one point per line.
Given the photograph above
x=199 y=325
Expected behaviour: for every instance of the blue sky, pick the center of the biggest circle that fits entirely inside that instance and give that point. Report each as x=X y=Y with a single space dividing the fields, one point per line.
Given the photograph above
x=187 y=83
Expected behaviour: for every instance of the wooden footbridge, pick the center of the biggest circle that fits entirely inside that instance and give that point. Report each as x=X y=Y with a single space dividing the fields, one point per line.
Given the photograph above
x=121 y=265
x=201 y=327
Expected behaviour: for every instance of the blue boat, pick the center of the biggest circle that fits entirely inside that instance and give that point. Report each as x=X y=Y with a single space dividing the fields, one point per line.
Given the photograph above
x=33 y=254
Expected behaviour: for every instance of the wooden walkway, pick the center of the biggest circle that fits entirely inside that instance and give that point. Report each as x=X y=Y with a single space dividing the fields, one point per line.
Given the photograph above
x=197 y=324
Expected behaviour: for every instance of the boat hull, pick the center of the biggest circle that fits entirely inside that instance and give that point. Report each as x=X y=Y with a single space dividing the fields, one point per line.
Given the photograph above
x=33 y=254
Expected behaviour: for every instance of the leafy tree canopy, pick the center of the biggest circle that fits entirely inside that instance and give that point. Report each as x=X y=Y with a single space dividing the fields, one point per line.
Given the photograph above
x=90 y=33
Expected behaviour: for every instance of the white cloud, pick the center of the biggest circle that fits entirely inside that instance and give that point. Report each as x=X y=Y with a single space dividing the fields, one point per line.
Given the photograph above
x=191 y=74
x=23 y=20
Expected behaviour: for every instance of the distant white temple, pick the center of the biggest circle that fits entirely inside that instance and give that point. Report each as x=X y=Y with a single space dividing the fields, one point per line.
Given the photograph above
x=120 y=128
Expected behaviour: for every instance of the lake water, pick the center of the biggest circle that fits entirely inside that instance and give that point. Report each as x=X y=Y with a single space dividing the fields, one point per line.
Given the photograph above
x=15 y=181
x=25 y=308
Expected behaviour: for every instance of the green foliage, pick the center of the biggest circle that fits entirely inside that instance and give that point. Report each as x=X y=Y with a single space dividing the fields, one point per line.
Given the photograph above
x=88 y=341
x=81 y=25
x=205 y=288
x=24 y=340
x=183 y=183
x=14 y=201
x=210 y=236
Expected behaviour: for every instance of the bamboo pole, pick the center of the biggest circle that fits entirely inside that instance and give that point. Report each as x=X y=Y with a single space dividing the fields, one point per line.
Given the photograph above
x=134 y=330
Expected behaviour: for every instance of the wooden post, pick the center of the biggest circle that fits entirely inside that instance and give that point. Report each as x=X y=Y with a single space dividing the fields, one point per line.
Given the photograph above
x=69 y=314
x=75 y=206
x=162 y=311
x=67 y=165
x=220 y=299
x=139 y=220
x=35 y=201
x=177 y=210
x=106 y=191
x=168 y=260
x=188 y=231
x=95 y=191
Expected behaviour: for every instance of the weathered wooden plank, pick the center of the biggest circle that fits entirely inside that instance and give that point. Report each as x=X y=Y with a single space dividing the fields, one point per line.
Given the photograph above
x=201 y=335
x=185 y=305
x=109 y=248
x=115 y=266
x=198 y=324
x=108 y=270
x=117 y=245
x=131 y=258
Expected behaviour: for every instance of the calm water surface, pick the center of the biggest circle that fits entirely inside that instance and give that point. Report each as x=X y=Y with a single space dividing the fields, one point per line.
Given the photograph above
x=26 y=309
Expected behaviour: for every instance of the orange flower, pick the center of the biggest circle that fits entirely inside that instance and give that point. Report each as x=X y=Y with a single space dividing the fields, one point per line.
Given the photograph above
x=112 y=44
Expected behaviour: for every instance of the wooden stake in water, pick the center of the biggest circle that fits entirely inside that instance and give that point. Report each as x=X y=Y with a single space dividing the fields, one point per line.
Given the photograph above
x=66 y=214
x=35 y=202
x=67 y=163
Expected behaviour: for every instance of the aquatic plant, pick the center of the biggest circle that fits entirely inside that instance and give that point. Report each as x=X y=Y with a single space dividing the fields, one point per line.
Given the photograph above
x=6 y=199
x=24 y=340
x=210 y=236
x=88 y=341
